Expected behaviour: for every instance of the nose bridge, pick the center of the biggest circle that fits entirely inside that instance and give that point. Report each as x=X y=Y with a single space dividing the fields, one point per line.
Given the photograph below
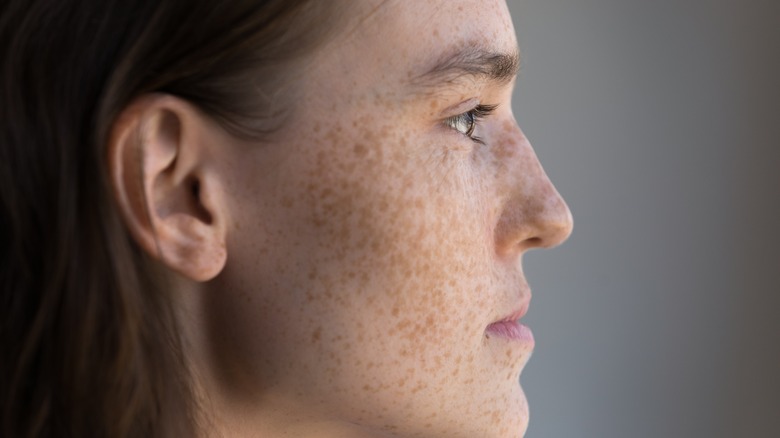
x=534 y=214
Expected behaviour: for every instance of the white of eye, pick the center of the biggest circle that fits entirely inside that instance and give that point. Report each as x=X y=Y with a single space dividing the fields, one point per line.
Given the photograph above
x=463 y=123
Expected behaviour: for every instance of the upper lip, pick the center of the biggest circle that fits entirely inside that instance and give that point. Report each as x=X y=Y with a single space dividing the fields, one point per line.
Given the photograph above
x=517 y=314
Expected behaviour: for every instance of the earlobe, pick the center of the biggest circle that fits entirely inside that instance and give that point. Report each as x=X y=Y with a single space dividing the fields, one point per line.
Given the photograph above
x=166 y=187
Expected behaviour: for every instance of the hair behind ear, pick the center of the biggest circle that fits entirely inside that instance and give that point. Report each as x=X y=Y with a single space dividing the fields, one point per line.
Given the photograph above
x=90 y=345
x=89 y=341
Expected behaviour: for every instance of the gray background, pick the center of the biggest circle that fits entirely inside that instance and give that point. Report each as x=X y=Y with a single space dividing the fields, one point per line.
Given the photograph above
x=658 y=122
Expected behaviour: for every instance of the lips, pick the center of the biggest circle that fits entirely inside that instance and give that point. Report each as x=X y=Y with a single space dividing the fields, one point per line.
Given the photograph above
x=510 y=328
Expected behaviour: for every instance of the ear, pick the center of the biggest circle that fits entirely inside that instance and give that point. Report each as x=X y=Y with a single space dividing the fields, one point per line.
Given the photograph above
x=166 y=185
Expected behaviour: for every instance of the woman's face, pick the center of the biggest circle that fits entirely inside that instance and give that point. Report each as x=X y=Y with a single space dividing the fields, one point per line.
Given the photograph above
x=377 y=239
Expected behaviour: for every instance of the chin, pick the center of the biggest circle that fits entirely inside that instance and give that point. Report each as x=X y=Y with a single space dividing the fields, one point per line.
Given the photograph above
x=520 y=424
x=515 y=421
x=508 y=419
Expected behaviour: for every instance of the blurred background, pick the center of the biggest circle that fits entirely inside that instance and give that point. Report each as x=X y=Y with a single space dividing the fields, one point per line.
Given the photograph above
x=659 y=122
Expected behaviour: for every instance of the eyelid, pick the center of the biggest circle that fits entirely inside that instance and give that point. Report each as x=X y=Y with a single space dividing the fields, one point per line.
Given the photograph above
x=460 y=108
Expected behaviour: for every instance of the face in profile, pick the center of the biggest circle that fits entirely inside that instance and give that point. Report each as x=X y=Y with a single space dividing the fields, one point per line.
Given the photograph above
x=374 y=245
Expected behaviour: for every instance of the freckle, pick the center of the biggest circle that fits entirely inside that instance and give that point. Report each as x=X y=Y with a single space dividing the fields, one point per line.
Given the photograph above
x=326 y=192
x=315 y=336
x=420 y=386
x=404 y=324
x=360 y=150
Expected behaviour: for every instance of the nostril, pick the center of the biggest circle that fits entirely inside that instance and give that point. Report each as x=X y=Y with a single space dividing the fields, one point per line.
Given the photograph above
x=534 y=242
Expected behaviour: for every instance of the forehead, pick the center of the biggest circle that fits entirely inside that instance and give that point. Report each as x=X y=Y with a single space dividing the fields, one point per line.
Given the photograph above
x=387 y=41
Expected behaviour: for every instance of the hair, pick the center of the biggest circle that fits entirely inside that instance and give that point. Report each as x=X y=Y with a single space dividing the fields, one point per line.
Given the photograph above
x=90 y=344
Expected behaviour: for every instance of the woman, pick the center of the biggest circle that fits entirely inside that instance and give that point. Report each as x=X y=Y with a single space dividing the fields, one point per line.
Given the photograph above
x=279 y=218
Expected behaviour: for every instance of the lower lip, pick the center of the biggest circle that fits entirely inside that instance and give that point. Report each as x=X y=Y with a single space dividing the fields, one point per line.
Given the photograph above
x=511 y=330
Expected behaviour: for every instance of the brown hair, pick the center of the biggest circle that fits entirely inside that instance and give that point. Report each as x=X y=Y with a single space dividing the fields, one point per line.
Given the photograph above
x=90 y=345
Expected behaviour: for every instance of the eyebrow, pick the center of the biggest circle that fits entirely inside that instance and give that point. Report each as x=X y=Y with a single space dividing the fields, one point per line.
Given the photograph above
x=470 y=63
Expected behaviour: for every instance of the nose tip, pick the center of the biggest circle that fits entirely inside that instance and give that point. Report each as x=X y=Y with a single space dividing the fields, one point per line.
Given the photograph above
x=541 y=221
x=555 y=223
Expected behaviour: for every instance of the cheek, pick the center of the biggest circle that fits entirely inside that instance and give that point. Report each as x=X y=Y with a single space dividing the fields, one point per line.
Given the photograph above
x=382 y=208
x=376 y=280
x=399 y=256
x=372 y=215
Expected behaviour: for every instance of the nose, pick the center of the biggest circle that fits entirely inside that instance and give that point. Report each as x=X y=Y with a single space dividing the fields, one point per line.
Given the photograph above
x=533 y=214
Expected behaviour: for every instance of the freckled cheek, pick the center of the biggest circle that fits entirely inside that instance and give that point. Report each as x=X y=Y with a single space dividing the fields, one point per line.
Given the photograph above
x=382 y=222
x=400 y=287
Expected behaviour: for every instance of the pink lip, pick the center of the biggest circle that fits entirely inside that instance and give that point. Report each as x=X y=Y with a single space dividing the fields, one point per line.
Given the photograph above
x=510 y=328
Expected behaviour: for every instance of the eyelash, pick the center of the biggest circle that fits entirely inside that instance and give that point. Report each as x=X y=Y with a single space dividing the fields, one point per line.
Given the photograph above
x=471 y=119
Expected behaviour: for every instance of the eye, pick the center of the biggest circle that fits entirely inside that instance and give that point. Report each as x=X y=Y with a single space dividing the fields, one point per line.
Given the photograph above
x=466 y=123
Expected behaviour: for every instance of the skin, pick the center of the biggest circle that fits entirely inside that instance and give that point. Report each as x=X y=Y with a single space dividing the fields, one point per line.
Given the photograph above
x=367 y=246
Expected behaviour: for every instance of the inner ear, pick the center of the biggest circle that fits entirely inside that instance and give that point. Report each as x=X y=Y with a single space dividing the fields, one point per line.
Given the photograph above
x=169 y=199
x=196 y=207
